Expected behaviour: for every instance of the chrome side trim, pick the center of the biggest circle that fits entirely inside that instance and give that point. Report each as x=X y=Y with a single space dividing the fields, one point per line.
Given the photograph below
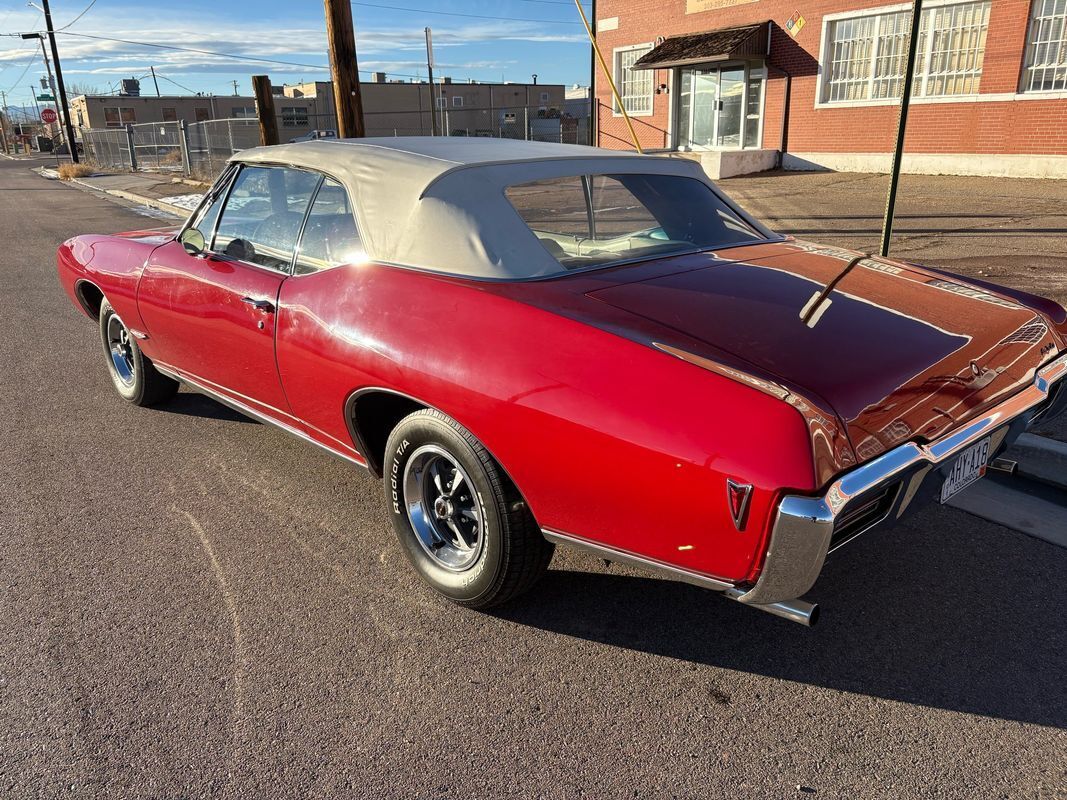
x=634 y=560
x=794 y=610
x=800 y=536
x=241 y=408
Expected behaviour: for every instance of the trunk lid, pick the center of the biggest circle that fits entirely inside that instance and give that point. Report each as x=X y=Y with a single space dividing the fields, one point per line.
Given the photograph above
x=899 y=353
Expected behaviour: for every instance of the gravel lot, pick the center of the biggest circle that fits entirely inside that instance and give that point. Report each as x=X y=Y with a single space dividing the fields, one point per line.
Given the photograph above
x=197 y=606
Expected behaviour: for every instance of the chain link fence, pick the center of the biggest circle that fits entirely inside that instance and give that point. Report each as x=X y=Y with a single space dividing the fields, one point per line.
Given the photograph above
x=211 y=143
x=157 y=146
x=515 y=122
x=201 y=149
x=109 y=148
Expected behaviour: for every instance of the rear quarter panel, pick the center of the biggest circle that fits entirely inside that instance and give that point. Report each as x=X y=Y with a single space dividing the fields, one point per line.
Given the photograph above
x=608 y=440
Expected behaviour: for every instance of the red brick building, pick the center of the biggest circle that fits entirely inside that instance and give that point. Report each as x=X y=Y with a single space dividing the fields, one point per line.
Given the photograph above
x=748 y=84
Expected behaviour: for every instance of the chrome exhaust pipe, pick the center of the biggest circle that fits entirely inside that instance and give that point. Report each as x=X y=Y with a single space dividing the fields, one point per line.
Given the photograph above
x=800 y=611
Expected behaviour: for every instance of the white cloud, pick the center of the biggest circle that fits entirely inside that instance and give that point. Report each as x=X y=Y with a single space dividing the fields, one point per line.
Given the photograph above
x=390 y=48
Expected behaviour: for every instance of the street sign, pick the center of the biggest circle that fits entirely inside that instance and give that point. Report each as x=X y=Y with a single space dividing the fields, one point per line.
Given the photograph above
x=48 y=116
x=46 y=98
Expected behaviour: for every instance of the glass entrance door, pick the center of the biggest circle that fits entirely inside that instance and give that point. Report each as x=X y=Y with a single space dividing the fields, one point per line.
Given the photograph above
x=731 y=95
x=713 y=109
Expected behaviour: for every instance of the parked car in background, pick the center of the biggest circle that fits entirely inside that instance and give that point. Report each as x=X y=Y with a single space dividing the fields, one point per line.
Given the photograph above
x=536 y=343
x=313 y=135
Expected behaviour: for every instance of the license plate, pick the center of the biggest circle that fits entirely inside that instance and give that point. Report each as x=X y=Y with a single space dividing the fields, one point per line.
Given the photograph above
x=970 y=466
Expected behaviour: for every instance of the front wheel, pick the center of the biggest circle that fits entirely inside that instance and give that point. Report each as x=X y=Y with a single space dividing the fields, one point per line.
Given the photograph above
x=460 y=520
x=135 y=379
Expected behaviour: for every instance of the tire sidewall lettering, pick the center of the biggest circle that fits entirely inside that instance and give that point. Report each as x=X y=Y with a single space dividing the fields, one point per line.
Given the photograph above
x=394 y=475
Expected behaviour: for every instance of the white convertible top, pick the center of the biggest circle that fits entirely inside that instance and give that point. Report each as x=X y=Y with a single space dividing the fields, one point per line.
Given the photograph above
x=438 y=203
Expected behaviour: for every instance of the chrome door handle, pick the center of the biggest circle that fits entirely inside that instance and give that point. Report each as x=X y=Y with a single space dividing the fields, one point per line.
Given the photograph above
x=266 y=306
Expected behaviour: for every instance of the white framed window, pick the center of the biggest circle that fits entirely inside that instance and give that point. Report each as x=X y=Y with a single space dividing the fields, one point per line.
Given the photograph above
x=442 y=102
x=634 y=85
x=457 y=101
x=1046 y=47
x=544 y=97
x=243 y=112
x=864 y=55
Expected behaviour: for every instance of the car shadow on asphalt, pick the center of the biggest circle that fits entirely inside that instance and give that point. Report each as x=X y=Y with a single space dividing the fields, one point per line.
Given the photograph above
x=193 y=404
x=938 y=612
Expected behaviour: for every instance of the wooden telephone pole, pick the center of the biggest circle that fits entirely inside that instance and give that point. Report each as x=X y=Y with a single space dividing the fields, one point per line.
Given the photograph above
x=341 y=37
x=268 y=122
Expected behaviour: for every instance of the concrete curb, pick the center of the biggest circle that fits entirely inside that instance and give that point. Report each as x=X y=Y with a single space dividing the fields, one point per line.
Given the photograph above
x=1018 y=510
x=1041 y=459
x=159 y=205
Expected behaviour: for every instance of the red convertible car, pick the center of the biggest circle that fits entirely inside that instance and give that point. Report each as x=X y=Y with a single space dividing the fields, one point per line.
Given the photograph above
x=535 y=344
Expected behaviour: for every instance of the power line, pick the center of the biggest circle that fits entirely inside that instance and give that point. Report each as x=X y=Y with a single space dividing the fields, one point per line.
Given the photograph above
x=22 y=74
x=469 y=16
x=171 y=80
x=233 y=56
x=195 y=50
x=86 y=11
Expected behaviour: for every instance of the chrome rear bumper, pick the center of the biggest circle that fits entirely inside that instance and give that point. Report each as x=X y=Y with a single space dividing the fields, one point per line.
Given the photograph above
x=804 y=527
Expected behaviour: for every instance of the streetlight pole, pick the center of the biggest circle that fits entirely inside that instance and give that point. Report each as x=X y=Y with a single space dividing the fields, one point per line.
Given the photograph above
x=51 y=80
x=60 y=88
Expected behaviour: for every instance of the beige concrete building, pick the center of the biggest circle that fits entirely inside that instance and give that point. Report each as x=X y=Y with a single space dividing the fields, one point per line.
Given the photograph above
x=391 y=108
x=398 y=108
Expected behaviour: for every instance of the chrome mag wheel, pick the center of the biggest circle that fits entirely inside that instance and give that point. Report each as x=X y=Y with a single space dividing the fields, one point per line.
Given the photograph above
x=443 y=508
x=118 y=341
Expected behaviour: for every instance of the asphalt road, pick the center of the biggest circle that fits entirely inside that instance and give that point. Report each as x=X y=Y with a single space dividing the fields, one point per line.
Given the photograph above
x=193 y=605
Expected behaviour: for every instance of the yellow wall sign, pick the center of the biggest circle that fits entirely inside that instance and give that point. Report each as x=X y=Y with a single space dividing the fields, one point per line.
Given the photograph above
x=696 y=6
x=794 y=24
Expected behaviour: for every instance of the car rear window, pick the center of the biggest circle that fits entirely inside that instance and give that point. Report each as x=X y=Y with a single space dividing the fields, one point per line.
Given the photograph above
x=597 y=220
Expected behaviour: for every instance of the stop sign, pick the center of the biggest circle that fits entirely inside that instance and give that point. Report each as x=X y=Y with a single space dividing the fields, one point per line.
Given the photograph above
x=48 y=116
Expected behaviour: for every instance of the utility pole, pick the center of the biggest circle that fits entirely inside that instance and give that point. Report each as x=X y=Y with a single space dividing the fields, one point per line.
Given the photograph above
x=36 y=107
x=268 y=122
x=71 y=143
x=341 y=37
x=156 y=82
x=234 y=88
x=429 y=73
x=3 y=119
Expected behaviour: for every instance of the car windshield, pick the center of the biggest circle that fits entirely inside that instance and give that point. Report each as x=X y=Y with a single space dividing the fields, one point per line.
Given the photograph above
x=589 y=221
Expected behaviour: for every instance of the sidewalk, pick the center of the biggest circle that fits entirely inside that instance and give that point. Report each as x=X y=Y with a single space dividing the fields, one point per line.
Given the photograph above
x=176 y=196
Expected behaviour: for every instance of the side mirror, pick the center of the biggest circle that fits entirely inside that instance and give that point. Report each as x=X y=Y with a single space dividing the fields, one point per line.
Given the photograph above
x=193 y=241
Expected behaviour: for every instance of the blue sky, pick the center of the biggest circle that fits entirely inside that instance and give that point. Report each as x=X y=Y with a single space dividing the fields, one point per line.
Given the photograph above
x=481 y=39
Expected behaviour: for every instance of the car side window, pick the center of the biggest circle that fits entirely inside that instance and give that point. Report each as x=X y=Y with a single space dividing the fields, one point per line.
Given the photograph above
x=330 y=236
x=264 y=210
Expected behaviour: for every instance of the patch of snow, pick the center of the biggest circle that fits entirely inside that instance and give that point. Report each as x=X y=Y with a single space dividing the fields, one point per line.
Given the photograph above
x=186 y=201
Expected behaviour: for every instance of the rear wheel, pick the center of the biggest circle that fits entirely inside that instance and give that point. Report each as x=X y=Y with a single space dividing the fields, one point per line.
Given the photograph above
x=460 y=520
x=135 y=379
